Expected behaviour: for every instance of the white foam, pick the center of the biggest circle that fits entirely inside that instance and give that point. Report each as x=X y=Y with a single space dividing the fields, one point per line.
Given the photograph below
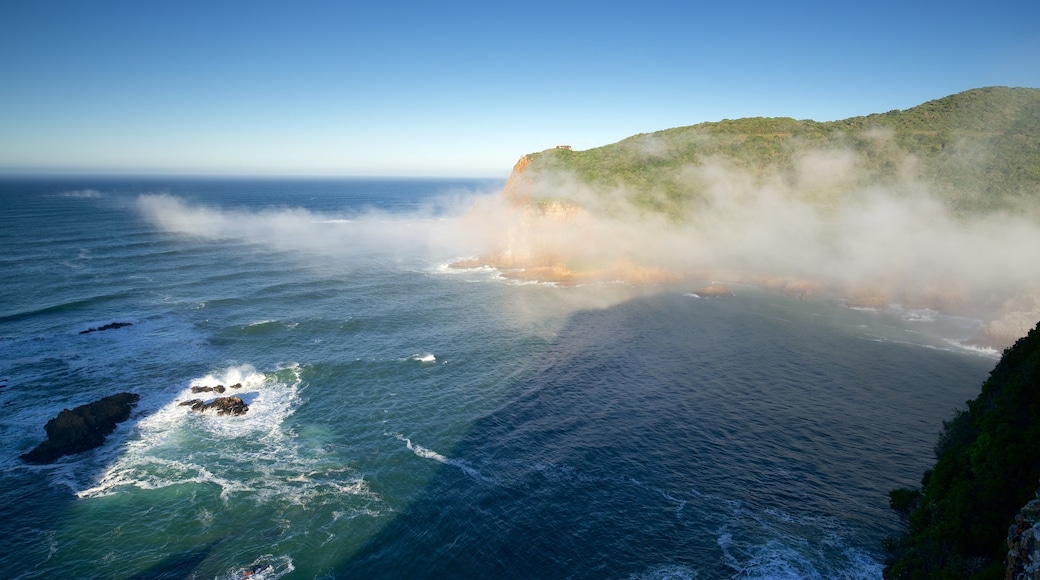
x=261 y=323
x=772 y=544
x=421 y=451
x=255 y=453
x=81 y=194
x=983 y=350
x=919 y=315
x=266 y=567
x=425 y=453
x=424 y=357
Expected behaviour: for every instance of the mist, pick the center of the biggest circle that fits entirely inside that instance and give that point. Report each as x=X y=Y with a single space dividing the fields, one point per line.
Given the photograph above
x=820 y=228
x=331 y=238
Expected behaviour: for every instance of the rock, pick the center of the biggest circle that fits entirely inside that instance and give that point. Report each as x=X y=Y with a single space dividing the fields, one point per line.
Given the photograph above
x=110 y=326
x=206 y=389
x=228 y=406
x=82 y=428
x=1023 y=558
x=223 y=405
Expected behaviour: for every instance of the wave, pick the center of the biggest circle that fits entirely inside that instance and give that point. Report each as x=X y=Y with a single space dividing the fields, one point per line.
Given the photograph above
x=81 y=194
x=266 y=567
x=983 y=350
x=424 y=358
x=255 y=454
x=425 y=453
x=62 y=307
x=771 y=544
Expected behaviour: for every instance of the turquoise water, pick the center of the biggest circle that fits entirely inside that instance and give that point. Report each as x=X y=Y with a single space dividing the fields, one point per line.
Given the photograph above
x=410 y=420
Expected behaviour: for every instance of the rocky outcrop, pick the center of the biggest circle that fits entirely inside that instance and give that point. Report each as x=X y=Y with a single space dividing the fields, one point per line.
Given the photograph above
x=82 y=428
x=713 y=291
x=216 y=389
x=517 y=188
x=222 y=405
x=1023 y=558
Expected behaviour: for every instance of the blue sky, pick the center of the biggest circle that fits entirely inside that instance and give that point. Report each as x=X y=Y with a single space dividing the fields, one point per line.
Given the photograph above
x=460 y=88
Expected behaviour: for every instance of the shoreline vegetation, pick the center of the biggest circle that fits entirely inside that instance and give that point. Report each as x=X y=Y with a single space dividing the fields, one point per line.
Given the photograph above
x=733 y=193
x=967 y=519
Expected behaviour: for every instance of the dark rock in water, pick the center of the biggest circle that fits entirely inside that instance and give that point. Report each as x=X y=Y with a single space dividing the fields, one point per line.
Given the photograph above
x=82 y=428
x=222 y=405
x=206 y=389
x=228 y=406
x=111 y=326
x=236 y=386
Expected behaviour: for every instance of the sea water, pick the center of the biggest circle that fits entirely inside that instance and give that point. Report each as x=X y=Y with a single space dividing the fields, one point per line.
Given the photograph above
x=411 y=420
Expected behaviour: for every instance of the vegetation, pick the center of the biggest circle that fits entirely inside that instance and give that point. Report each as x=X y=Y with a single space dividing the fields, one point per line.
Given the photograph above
x=979 y=150
x=987 y=468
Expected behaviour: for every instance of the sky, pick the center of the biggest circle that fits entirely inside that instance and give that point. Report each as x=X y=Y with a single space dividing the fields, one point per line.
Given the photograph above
x=459 y=89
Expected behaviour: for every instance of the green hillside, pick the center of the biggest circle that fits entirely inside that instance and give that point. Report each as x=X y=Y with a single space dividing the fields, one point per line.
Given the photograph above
x=978 y=150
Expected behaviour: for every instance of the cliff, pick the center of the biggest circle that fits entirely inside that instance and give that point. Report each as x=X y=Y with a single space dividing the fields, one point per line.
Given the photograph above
x=1023 y=558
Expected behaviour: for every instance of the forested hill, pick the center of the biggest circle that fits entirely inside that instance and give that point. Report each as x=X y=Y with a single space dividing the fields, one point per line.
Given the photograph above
x=978 y=150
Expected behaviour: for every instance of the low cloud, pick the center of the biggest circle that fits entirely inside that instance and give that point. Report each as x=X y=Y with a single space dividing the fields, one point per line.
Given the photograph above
x=431 y=231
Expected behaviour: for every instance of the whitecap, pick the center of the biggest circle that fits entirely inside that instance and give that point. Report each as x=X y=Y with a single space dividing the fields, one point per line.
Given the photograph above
x=425 y=453
x=266 y=567
x=81 y=194
x=255 y=454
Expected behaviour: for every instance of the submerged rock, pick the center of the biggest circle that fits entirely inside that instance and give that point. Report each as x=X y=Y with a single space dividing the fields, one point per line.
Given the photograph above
x=110 y=326
x=82 y=428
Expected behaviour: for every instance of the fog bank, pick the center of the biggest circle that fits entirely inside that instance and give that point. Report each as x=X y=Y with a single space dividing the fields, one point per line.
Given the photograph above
x=820 y=227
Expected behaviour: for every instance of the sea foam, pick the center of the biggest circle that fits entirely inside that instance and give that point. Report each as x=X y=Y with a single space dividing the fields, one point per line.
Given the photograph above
x=176 y=446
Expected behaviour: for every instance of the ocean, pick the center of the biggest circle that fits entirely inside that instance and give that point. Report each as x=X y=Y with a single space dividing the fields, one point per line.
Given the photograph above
x=410 y=420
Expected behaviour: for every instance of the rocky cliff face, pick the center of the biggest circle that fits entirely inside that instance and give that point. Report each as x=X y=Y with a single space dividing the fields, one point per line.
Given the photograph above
x=1023 y=559
x=552 y=240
